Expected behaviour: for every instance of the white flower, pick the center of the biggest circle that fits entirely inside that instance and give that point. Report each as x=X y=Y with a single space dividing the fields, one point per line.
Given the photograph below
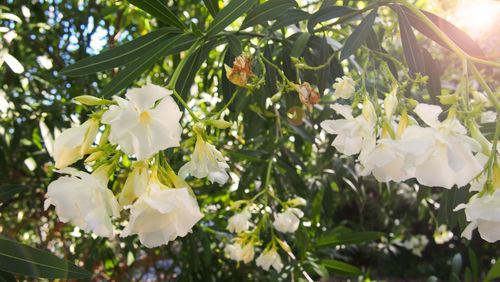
x=136 y=184
x=74 y=143
x=234 y=251
x=344 y=87
x=445 y=153
x=140 y=125
x=288 y=221
x=442 y=235
x=269 y=258
x=239 y=222
x=248 y=252
x=206 y=160
x=161 y=214
x=483 y=214
x=388 y=162
x=354 y=135
x=84 y=200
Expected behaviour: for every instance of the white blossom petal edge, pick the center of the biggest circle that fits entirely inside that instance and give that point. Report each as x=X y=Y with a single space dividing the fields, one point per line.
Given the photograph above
x=206 y=160
x=269 y=258
x=161 y=214
x=84 y=200
x=239 y=222
x=74 y=142
x=140 y=125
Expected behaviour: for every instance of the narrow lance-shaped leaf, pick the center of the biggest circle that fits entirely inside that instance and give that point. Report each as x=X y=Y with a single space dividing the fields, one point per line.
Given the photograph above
x=432 y=71
x=413 y=55
x=341 y=268
x=462 y=39
x=327 y=13
x=160 y=11
x=348 y=238
x=121 y=55
x=25 y=260
x=229 y=14
x=190 y=69
x=300 y=44
x=270 y=10
x=358 y=36
x=212 y=6
x=494 y=272
x=291 y=16
x=137 y=67
x=234 y=44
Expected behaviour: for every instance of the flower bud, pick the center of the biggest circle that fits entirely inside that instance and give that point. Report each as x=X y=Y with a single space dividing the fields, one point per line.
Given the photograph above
x=299 y=201
x=237 y=204
x=219 y=123
x=284 y=245
x=403 y=124
x=390 y=103
x=89 y=100
x=94 y=156
x=369 y=111
x=448 y=99
x=276 y=97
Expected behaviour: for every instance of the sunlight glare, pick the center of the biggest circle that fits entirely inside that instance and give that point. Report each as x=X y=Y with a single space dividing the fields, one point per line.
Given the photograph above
x=477 y=17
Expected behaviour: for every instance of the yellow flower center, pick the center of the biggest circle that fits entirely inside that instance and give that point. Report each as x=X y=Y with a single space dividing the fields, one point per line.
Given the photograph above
x=144 y=117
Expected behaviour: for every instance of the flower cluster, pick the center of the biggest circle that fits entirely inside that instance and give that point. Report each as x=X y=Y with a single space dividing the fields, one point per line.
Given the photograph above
x=161 y=204
x=244 y=245
x=396 y=142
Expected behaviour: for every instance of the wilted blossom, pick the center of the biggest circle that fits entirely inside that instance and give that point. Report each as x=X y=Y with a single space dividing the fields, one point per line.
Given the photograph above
x=307 y=95
x=145 y=123
x=84 y=200
x=344 y=87
x=206 y=160
x=269 y=258
x=354 y=134
x=161 y=214
x=288 y=221
x=74 y=143
x=239 y=221
x=240 y=73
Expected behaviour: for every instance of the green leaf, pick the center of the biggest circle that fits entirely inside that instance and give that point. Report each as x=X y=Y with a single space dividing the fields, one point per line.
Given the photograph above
x=343 y=238
x=434 y=81
x=316 y=208
x=464 y=41
x=358 y=36
x=327 y=13
x=234 y=45
x=270 y=10
x=291 y=16
x=473 y=264
x=494 y=271
x=7 y=191
x=160 y=11
x=121 y=55
x=413 y=55
x=134 y=69
x=300 y=44
x=192 y=66
x=25 y=260
x=212 y=6
x=6 y=277
x=229 y=14
x=342 y=268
